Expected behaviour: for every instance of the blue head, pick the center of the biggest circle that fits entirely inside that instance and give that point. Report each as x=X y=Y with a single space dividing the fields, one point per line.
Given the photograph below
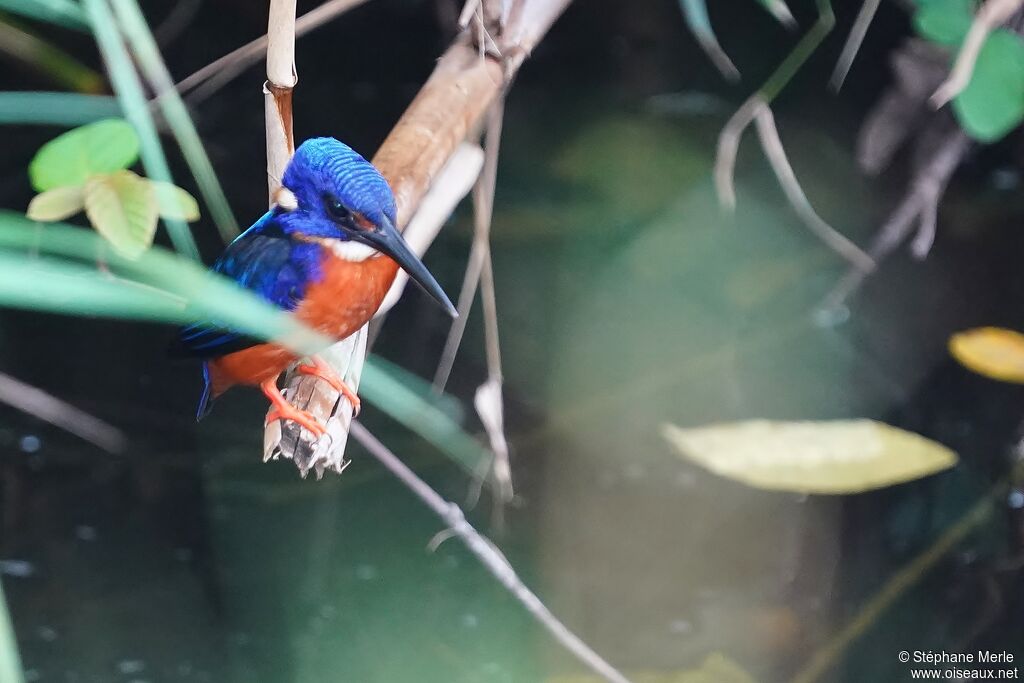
x=338 y=199
x=330 y=180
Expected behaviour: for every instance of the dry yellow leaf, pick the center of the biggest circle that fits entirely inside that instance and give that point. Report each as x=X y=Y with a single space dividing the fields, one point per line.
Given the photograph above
x=828 y=457
x=995 y=352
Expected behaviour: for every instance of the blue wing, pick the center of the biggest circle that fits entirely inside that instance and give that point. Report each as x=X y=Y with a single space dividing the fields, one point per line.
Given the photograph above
x=265 y=260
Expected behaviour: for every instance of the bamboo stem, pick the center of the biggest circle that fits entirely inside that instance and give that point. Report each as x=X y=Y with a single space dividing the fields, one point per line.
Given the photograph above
x=277 y=91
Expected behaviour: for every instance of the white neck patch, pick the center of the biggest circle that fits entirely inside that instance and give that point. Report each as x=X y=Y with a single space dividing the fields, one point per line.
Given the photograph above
x=350 y=250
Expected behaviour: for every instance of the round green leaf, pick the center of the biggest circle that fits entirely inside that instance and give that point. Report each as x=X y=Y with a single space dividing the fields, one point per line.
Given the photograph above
x=830 y=457
x=57 y=204
x=102 y=147
x=122 y=207
x=992 y=104
x=174 y=202
x=944 y=21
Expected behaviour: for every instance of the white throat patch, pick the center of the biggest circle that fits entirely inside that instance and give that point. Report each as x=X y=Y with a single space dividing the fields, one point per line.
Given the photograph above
x=350 y=250
x=286 y=199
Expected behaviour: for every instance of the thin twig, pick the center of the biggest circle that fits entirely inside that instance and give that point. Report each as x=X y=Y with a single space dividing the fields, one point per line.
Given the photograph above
x=776 y=154
x=921 y=199
x=483 y=198
x=489 y=399
x=220 y=71
x=990 y=16
x=40 y=404
x=452 y=515
x=860 y=29
x=728 y=148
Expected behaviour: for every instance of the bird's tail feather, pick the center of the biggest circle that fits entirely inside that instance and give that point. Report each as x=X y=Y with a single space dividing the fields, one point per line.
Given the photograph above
x=206 y=400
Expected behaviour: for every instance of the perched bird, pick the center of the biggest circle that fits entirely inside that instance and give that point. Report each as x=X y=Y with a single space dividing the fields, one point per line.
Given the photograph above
x=328 y=252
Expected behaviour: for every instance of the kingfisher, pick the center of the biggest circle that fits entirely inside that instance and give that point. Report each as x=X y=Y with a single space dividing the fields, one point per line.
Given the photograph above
x=327 y=251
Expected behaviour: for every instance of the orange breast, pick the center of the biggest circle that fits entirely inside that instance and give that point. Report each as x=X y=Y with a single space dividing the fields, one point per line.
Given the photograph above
x=342 y=302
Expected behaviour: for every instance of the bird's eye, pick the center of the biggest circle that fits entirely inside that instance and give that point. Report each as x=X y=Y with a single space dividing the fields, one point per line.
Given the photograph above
x=337 y=210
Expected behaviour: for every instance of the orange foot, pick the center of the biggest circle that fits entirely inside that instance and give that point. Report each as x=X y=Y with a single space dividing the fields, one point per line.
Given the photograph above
x=321 y=369
x=283 y=410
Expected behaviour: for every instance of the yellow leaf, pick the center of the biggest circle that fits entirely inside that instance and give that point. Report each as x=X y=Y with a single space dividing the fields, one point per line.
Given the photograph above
x=122 y=207
x=991 y=351
x=828 y=457
x=56 y=204
x=174 y=202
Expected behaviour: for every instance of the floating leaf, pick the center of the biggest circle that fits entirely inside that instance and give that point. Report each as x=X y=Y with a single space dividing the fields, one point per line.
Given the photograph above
x=174 y=202
x=830 y=457
x=992 y=104
x=101 y=147
x=944 y=21
x=57 y=204
x=994 y=352
x=122 y=207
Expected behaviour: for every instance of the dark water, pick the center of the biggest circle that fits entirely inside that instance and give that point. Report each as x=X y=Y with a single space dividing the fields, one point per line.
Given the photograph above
x=627 y=300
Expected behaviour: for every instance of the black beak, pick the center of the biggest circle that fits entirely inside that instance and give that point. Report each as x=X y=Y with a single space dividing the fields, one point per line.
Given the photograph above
x=390 y=242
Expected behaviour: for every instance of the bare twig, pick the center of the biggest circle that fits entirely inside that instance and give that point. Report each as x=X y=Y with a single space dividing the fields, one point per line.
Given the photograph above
x=860 y=29
x=990 y=16
x=496 y=563
x=483 y=198
x=214 y=75
x=919 y=204
x=776 y=154
x=728 y=147
x=489 y=399
x=49 y=408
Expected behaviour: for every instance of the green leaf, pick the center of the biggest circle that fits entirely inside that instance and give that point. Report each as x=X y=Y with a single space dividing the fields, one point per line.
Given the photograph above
x=992 y=104
x=174 y=202
x=831 y=457
x=154 y=286
x=122 y=207
x=944 y=21
x=55 y=108
x=65 y=13
x=128 y=88
x=403 y=397
x=147 y=54
x=10 y=659
x=57 y=204
x=102 y=147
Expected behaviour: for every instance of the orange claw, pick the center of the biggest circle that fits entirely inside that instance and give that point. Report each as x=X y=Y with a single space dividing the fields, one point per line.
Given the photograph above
x=283 y=410
x=325 y=372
